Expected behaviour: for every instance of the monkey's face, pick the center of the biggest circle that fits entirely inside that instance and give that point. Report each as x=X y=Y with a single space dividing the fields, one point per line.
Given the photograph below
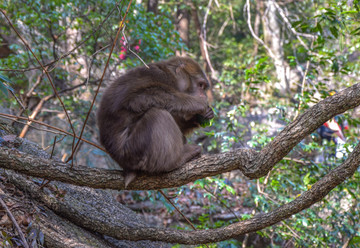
x=192 y=80
x=199 y=86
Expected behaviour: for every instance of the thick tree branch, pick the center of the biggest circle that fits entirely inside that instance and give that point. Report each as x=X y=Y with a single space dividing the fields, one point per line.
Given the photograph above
x=301 y=127
x=99 y=221
x=113 y=179
x=260 y=221
x=253 y=164
x=96 y=210
x=58 y=232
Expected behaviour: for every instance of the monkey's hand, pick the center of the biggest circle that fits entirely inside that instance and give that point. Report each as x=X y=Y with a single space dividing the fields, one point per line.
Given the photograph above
x=209 y=113
x=205 y=120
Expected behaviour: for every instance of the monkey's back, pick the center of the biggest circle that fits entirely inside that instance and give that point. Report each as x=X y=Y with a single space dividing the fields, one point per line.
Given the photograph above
x=133 y=136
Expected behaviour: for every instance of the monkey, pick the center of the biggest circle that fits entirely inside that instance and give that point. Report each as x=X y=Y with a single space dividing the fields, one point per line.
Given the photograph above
x=145 y=114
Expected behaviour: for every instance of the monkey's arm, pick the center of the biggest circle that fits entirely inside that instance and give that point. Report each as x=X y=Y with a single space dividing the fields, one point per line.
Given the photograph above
x=175 y=102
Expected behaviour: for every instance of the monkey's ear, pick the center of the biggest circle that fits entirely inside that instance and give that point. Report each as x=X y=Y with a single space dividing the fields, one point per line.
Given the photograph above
x=183 y=84
x=182 y=77
x=179 y=68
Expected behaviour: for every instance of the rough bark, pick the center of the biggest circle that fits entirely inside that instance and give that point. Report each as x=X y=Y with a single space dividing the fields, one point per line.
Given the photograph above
x=253 y=164
x=258 y=222
x=82 y=207
x=60 y=233
x=79 y=208
x=57 y=231
x=100 y=215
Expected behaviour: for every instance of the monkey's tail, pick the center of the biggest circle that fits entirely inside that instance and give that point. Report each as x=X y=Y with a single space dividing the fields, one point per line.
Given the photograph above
x=129 y=177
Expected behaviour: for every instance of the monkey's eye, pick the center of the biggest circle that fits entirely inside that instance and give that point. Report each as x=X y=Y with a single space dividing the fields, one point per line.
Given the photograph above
x=202 y=85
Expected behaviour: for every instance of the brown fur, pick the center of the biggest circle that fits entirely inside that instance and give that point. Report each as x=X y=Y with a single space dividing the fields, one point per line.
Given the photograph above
x=145 y=114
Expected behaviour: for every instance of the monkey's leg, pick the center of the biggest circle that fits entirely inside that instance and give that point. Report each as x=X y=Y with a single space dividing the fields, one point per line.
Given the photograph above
x=190 y=152
x=156 y=142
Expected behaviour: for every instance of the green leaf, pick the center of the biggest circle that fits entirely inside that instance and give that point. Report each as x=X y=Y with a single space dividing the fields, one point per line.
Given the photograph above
x=355 y=31
x=3 y=84
x=319 y=28
x=334 y=31
x=355 y=240
x=306 y=179
x=349 y=12
x=3 y=78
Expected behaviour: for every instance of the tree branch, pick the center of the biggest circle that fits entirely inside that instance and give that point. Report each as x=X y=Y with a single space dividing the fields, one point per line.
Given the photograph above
x=75 y=207
x=121 y=230
x=253 y=164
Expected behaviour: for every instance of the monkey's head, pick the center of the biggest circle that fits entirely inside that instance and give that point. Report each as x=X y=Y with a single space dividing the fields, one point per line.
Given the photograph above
x=190 y=77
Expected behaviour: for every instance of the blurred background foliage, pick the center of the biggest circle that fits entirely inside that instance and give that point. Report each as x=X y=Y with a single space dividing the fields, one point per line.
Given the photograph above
x=309 y=50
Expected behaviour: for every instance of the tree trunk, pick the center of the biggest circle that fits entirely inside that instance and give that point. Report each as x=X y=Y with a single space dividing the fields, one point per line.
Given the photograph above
x=195 y=16
x=152 y=6
x=182 y=25
x=259 y=13
x=272 y=38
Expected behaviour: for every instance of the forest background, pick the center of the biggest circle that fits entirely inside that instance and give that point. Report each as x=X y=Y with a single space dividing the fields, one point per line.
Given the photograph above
x=268 y=61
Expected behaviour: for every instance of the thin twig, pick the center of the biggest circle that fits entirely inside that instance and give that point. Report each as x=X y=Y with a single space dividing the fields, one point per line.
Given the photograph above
x=128 y=47
x=33 y=115
x=45 y=70
x=23 y=123
x=297 y=236
x=101 y=80
x=17 y=99
x=247 y=6
x=90 y=36
x=56 y=142
x=178 y=210
x=55 y=128
x=3 y=204
x=219 y=200
x=36 y=84
x=261 y=192
x=53 y=148
x=92 y=57
x=43 y=185
x=72 y=50
x=291 y=28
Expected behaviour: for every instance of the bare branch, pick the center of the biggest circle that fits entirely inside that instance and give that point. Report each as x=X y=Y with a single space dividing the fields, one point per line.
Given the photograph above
x=258 y=222
x=247 y=6
x=52 y=127
x=46 y=72
x=290 y=27
x=72 y=50
x=33 y=115
x=128 y=47
x=253 y=164
x=101 y=80
x=3 y=204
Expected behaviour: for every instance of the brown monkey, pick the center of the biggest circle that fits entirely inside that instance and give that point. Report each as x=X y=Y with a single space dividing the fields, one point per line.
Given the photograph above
x=145 y=114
